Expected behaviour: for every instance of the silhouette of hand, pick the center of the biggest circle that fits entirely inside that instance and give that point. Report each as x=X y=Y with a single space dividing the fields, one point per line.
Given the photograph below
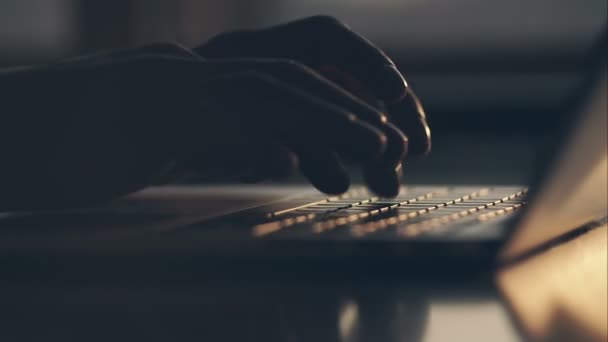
x=251 y=105
x=356 y=65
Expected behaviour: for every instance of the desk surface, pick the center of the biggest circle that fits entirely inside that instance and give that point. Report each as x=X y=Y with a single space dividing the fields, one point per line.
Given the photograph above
x=558 y=294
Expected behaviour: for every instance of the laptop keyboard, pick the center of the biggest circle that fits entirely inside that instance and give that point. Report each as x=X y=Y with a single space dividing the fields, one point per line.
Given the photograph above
x=415 y=212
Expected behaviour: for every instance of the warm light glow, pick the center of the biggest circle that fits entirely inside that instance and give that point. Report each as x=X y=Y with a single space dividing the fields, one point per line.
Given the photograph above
x=562 y=291
x=348 y=319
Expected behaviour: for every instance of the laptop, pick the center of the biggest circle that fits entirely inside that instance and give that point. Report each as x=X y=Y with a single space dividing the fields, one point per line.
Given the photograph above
x=425 y=227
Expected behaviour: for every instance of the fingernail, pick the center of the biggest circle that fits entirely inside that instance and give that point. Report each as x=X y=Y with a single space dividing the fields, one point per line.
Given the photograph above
x=391 y=84
x=420 y=135
x=412 y=120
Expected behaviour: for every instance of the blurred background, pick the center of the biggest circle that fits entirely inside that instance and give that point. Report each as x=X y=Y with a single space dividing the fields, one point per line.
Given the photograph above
x=484 y=68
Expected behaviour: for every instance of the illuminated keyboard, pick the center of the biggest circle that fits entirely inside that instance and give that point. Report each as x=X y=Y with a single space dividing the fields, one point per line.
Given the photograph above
x=415 y=212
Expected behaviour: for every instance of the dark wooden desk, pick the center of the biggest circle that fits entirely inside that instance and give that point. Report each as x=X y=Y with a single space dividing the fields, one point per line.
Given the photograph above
x=558 y=294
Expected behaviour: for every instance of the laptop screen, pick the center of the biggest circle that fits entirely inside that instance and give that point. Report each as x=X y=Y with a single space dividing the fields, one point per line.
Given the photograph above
x=574 y=191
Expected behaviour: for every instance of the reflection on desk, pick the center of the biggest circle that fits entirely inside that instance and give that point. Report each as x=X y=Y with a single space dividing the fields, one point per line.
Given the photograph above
x=189 y=309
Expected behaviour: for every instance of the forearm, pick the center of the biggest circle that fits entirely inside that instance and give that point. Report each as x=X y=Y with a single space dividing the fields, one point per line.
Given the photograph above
x=31 y=135
x=81 y=135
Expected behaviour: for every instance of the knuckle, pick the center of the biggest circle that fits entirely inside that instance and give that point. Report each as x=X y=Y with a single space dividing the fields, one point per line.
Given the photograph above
x=218 y=39
x=325 y=21
x=291 y=67
x=351 y=118
x=290 y=64
x=165 y=47
x=150 y=63
x=228 y=35
x=222 y=43
x=249 y=78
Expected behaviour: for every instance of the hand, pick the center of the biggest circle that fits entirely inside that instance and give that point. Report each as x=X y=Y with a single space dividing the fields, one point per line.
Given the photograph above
x=88 y=130
x=350 y=61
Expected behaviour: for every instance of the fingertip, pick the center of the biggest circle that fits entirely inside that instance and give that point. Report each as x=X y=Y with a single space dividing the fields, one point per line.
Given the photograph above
x=410 y=117
x=335 y=185
x=382 y=181
x=420 y=134
x=426 y=147
x=392 y=86
x=336 y=189
x=324 y=171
